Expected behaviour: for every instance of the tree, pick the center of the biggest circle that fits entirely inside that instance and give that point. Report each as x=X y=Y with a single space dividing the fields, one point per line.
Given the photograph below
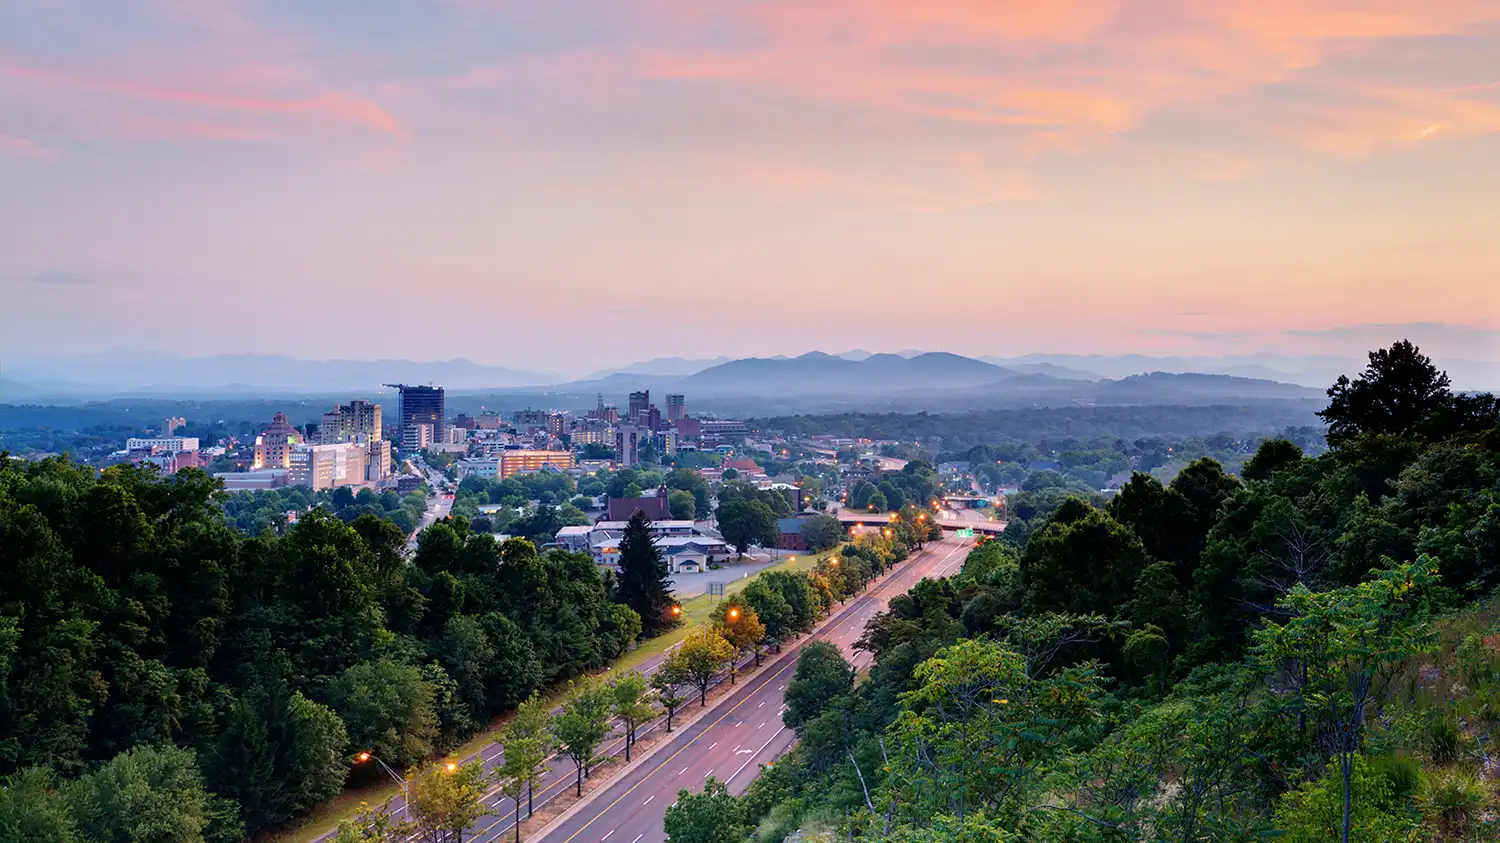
x=530 y=728
x=667 y=682
x=682 y=505
x=1336 y=649
x=389 y=710
x=1399 y=393
x=642 y=583
x=980 y=724
x=822 y=674
x=746 y=522
x=467 y=655
x=1271 y=456
x=582 y=726
x=713 y=816
x=691 y=481
x=31 y=808
x=822 y=532
x=145 y=794
x=877 y=502
x=1085 y=565
x=700 y=658
x=631 y=705
x=736 y=621
x=446 y=801
x=773 y=610
x=526 y=742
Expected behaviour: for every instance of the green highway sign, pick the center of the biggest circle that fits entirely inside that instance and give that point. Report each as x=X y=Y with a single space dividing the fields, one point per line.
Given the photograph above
x=965 y=533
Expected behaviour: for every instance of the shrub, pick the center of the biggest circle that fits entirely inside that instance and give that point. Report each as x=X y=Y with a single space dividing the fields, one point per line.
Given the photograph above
x=1403 y=774
x=1314 y=813
x=1451 y=800
x=1442 y=737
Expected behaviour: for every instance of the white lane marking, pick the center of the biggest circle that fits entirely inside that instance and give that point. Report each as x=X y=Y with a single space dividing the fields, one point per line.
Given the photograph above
x=707 y=774
x=761 y=703
x=648 y=802
x=752 y=756
x=761 y=726
x=683 y=770
x=639 y=836
x=606 y=837
x=714 y=744
x=738 y=751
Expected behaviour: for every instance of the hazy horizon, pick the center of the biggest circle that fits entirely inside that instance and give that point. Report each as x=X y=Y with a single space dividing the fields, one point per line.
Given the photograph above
x=541 y=186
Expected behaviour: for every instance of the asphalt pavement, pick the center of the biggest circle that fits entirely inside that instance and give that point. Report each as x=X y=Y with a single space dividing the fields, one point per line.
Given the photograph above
x=742 y=731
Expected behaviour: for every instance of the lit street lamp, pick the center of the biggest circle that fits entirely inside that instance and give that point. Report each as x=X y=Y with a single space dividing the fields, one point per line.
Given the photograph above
x=405 y=785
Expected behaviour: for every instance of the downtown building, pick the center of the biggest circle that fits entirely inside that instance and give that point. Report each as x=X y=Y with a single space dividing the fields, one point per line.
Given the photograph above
x=420 y=407
x=357 y=421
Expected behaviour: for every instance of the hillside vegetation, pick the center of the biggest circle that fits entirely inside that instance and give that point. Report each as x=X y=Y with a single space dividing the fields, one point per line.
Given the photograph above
x=1307 y=652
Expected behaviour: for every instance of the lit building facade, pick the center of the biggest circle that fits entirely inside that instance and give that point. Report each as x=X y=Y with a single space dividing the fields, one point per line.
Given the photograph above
x=273 y=447
x=357 y=421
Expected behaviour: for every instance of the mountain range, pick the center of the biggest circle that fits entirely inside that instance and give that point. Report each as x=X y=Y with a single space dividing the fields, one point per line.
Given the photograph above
x=853 y=379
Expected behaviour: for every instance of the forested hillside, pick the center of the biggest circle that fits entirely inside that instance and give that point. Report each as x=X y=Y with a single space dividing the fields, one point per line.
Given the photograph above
x=1308 y=652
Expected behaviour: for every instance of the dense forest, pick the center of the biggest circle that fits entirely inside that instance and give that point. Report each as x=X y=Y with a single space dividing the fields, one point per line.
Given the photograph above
x=952 y=432
x=164 y=677
x=1306 y=652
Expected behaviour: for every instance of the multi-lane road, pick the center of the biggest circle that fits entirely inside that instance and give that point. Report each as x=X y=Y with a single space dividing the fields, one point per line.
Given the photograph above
x=741 y=731
x=843 y=628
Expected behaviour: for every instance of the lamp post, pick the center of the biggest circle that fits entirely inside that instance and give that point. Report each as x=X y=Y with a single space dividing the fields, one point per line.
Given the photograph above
x=405 y=785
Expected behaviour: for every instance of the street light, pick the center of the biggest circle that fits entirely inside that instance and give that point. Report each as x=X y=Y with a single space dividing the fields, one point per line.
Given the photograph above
x=451 y=767
x=835 y=562
x=676 y=610
x=734 y=613
x=405 y=785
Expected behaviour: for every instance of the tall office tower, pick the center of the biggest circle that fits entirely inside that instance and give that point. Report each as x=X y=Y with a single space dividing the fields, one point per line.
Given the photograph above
x=638 y=402
x=421 y=405
x=676 y=407
x=357 y=421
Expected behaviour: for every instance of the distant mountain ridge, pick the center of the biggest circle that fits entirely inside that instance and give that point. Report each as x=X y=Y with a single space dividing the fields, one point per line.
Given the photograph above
x=127 y=373
x=817 y=372
x=912 y=380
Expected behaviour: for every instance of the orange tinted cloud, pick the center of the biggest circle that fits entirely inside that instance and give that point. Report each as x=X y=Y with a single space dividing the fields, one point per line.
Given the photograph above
x=1053 y=74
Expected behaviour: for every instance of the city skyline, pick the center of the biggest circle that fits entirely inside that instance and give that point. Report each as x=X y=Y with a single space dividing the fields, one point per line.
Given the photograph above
x=771 y=177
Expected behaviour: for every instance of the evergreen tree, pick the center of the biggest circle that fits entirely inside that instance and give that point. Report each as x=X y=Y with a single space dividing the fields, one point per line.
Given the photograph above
x=643 y=583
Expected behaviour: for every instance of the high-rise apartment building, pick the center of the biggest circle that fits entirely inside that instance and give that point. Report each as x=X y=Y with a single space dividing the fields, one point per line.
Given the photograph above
x=357 y=421
x=638 y=402
x=676 y=407
x=628 y=439
x=421 y=405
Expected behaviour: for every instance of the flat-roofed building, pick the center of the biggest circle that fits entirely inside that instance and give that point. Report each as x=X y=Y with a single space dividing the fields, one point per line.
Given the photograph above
x=512 y=462
x=162 y=444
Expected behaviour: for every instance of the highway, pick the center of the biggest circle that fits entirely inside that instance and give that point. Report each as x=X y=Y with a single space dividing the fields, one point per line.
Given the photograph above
x=741 y=731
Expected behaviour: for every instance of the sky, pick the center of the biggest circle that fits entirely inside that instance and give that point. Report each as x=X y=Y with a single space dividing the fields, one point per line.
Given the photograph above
x=580 y=183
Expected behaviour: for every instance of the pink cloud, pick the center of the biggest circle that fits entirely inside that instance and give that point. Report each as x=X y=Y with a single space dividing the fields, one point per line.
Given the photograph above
x=1045 y=75
x=24 y=148
x=229 y=81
